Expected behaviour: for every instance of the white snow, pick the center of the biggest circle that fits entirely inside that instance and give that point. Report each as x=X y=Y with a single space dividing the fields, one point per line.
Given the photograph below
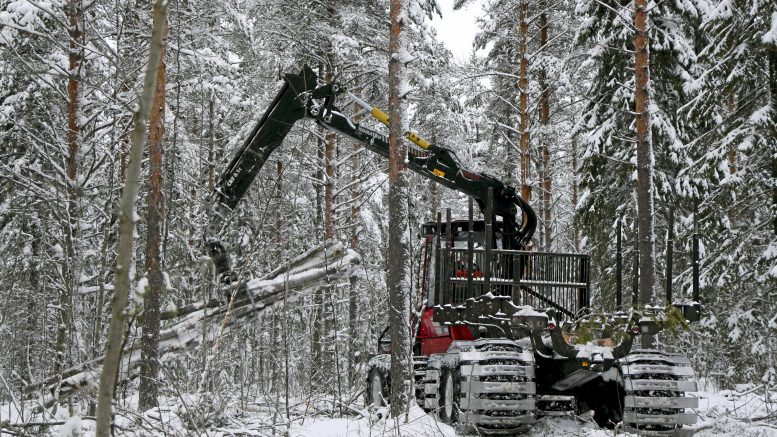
x=71 y=428
x=770 y=37
x=749 y=410
x=140 y=289
x=418 y=424
x=528 y=311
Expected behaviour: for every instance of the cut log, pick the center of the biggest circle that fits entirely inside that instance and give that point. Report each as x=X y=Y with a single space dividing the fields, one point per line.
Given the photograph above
x=330 y=262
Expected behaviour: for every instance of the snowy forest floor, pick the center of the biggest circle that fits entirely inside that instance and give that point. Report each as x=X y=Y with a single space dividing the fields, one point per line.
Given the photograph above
x=750 y=410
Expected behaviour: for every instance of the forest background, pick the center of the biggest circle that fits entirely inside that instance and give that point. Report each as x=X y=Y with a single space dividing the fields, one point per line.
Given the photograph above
x=547 y=104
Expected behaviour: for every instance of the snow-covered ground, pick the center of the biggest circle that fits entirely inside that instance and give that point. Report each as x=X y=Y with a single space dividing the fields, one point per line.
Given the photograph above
x=750 y=410
x=417 y=423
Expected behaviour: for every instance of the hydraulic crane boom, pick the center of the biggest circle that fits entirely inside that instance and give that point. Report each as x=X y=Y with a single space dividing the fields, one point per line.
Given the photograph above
x=300 y=98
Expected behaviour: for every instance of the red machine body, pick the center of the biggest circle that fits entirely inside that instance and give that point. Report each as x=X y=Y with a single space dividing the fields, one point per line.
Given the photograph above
x=434 y=337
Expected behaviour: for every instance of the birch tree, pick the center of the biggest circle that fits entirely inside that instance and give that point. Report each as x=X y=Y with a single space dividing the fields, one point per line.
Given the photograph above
x=127 y=226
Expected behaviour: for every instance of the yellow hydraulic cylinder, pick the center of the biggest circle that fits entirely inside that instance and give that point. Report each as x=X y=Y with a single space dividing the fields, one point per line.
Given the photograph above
x=382 y=117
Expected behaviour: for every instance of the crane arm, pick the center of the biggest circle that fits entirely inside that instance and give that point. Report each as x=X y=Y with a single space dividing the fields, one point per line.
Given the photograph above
x=301 y=98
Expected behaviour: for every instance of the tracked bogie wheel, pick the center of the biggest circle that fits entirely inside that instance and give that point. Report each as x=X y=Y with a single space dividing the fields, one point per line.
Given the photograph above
x=487 y=387
x=420 y=376
x=656 y=386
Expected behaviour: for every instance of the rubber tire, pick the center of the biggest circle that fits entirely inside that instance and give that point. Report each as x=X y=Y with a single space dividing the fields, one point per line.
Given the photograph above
x=376 y=389
x=449 y=396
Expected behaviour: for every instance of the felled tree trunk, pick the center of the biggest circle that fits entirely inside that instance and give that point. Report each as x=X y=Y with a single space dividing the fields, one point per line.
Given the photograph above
x=325 y=264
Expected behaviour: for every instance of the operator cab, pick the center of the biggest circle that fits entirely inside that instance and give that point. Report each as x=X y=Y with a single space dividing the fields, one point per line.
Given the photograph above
x=460 y=233
x=453 y=273
x=455 y=263
x=432 y=336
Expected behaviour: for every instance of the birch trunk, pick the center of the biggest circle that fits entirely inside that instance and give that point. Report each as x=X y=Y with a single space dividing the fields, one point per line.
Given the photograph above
x=126 y=227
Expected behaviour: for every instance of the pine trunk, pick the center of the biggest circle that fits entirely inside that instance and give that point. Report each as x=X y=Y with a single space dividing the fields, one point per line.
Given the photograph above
x=544 y=121
x=74 y=61
x=70 y=265
x=329 y=186
x=148 y=389
x=126 y=228
x=211 y=148
x=575 y=228
x=523 y=100
x=644 y=156
x=398 y=263
x=773 y=91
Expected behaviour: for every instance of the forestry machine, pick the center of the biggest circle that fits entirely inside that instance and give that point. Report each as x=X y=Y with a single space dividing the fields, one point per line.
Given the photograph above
x=504 y=335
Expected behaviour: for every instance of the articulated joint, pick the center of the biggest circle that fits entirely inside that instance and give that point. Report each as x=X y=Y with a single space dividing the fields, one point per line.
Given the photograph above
x=595 y=361
x=560 y=345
